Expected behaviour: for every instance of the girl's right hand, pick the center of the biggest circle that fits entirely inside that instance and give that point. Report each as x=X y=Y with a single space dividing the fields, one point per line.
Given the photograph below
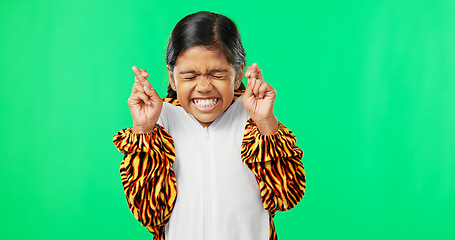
x=145 y=103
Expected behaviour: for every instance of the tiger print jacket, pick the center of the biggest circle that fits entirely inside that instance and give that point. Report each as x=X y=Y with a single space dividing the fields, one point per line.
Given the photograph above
x=150 y=184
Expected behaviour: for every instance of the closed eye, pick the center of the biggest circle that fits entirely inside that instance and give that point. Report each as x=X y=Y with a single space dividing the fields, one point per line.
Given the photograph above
x=190 y=78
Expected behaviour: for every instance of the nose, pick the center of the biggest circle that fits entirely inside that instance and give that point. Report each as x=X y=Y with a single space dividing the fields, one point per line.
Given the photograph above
x=204 y=84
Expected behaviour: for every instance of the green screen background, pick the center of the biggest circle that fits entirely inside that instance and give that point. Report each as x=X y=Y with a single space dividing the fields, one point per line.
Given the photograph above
x=368 y=87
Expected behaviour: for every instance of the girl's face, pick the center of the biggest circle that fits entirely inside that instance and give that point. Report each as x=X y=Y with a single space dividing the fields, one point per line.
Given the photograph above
x=204 y=81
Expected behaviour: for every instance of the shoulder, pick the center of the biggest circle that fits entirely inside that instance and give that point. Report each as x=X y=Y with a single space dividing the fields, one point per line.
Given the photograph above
x=237 y=94
x=172 y=101
x=170 y=113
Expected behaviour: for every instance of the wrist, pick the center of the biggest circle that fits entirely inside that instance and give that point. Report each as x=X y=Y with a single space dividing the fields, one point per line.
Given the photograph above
x=267 y=126
x=142 y=129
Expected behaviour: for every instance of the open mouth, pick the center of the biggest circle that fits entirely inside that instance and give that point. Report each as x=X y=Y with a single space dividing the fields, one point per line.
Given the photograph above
x=205 y=104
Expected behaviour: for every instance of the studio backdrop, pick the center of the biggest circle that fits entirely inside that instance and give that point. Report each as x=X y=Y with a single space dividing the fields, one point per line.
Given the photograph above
x=368 y=88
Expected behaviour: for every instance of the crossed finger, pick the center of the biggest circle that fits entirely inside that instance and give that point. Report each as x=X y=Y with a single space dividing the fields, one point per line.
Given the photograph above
x=257 y=85
x=141 y=83
x=142 y=88
x=141 y=77
x=253 y=72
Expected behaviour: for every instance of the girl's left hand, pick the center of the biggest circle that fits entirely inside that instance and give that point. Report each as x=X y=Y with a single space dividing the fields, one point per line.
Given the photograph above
x=258 y=100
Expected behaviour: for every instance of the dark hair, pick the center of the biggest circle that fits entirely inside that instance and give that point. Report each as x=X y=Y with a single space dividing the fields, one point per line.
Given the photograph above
x=212 y=30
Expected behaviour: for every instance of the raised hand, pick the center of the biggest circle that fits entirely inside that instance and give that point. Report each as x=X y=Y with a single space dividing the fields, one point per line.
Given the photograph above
x=258 y=100
x=145 y=104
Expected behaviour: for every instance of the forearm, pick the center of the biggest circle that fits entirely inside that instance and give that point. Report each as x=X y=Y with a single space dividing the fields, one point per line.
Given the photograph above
x=282 y=183
x=142 y=181
x=146 y=170
x=276 y=162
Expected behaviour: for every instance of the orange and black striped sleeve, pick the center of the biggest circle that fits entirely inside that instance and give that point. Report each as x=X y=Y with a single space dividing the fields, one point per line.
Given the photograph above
x=276 y=162
x=148 y=177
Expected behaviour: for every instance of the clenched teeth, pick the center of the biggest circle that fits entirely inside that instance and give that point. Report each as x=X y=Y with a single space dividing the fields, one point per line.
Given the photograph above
x=204 y=103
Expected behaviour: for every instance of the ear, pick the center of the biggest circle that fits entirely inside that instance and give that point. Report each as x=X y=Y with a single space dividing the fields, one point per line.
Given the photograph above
x=171 y=78
x=239 y=77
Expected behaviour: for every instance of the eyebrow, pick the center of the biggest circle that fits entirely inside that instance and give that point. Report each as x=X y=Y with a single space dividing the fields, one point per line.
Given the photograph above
x=218 y=70
x=211 y=71
x=185 y=72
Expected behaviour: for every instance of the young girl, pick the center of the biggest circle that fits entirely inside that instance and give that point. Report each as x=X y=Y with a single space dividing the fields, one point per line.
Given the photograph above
x=211 y=161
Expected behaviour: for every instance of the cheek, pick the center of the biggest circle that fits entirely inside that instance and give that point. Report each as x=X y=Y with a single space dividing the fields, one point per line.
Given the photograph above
x=228 y=92
x=183 y=90
x=225 y=87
